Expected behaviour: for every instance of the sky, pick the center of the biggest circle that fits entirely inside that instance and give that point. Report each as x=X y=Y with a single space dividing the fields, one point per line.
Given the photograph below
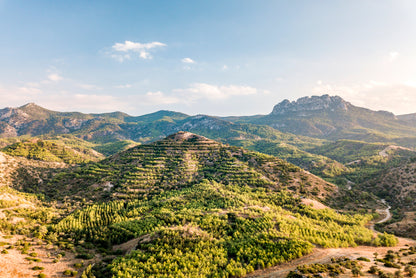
x=217 y=57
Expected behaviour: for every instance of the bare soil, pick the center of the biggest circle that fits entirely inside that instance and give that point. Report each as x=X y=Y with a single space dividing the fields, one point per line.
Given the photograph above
x=320 y=255
x=14 y=264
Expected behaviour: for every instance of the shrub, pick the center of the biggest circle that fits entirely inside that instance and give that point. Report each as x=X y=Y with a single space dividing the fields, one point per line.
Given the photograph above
x=363 y=259
x=78 y=265
x=85 y=256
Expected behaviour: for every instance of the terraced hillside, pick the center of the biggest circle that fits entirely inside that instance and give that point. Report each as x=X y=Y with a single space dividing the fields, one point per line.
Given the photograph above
x=185 y=204
x=183 y=159
x=47 y=150
x=195 y=207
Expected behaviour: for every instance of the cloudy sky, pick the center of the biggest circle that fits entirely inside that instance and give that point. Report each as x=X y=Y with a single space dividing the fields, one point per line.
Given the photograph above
x=218 y=57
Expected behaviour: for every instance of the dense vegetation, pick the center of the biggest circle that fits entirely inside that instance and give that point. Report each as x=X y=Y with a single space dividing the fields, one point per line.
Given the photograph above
x=51 y=151
x=193 y=206
x=226 y=230
x=179 y=161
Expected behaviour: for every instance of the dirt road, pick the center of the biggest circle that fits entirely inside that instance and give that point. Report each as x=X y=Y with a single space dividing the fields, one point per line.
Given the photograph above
x=385 y=211
x=320 y=255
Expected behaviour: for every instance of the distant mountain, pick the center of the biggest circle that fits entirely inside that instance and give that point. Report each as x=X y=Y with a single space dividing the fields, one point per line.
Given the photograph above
x=408 y=118
x=31 y=119
x=332 y=118
x=162 y=115
x=34 y=120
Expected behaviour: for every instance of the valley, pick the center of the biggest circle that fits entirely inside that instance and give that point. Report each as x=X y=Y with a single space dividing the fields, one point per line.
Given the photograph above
x=205 y=196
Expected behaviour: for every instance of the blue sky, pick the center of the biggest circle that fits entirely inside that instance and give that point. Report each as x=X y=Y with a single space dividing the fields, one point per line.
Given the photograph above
x=212 y=57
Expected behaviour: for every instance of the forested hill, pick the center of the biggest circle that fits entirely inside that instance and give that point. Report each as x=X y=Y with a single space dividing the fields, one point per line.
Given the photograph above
x=197 y=208
x=183 y=159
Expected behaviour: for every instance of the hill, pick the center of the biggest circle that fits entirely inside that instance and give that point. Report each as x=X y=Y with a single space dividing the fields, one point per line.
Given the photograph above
x=409 y=118
x=195 y=207
x=182 y=159
x=53 y=151
x=332 y=118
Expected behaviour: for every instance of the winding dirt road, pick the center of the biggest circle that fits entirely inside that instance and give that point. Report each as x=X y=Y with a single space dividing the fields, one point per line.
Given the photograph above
x=321 y=255
x=385 y=211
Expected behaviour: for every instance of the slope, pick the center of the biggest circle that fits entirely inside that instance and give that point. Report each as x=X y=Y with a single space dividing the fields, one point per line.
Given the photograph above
x=196 y=207
x=48 y=150
x=182 y=159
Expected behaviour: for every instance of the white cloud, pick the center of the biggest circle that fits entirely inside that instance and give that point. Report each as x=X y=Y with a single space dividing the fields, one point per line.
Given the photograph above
x=396 y=98
x=224 y=67
x=213 y=92
x=188 y=61
x=124 y=51
x=55 y=77
x=393 y=56
x=123 y=86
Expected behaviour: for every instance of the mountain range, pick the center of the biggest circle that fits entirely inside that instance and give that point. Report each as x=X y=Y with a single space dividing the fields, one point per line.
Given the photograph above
x=324 y=117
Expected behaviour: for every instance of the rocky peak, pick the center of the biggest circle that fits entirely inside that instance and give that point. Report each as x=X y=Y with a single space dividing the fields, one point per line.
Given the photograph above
x=312 y=103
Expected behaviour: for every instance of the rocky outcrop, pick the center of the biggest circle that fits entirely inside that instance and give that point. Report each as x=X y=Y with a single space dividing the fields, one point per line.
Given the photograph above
x=314 y=103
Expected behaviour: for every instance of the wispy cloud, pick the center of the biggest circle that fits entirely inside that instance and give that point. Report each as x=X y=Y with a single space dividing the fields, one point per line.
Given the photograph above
x=89 y=87
x=55 y=77
x=214 y=92
x=188 y=61
x=128 y=49
x=123 y=86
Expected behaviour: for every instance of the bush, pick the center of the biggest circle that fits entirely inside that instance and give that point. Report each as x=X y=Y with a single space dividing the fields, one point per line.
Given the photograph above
x=78 y=265
x=85 y=256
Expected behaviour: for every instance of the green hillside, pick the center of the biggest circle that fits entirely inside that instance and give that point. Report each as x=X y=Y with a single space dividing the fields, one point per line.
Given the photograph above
x=52 y=151
x=186 y=205
x=196 y=207
x=183 y=159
